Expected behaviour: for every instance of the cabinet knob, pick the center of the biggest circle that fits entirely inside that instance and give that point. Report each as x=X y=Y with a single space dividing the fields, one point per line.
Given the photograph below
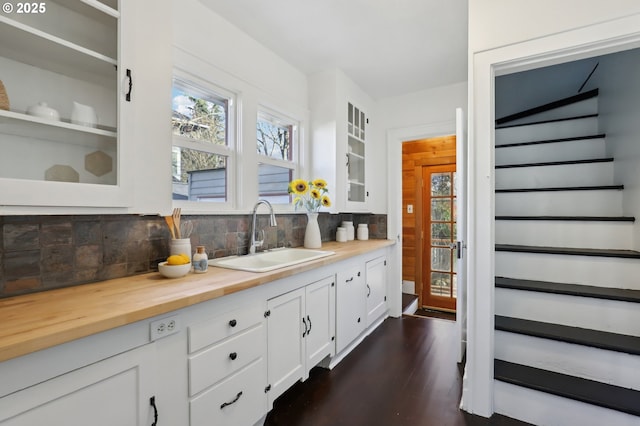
x=233 y=323
x=233 y=356
x=358 y=319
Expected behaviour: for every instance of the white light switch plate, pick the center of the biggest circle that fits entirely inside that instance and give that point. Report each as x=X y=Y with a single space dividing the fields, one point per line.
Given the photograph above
x=409 y=208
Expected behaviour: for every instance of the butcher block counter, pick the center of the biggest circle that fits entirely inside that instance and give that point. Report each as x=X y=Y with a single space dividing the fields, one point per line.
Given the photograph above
x=42 y=320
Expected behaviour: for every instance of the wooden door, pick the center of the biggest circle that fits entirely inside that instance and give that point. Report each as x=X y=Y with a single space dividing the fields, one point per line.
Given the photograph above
x=438 y=236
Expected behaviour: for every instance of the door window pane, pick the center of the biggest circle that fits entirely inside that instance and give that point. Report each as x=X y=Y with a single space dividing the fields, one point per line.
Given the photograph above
x=441 y=259
x=440 y=234
x=440 y=284
x=441 y=209
x=441 y=184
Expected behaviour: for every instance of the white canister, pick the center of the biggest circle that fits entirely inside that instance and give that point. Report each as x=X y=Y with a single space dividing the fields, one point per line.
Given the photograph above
x=180 y=246
x=363 y=231
x=341 y=235
x=348 y=225
x=200 y=260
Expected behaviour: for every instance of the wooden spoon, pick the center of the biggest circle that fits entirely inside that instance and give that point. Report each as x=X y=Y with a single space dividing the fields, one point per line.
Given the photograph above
x=169 y=221
x=176 y=220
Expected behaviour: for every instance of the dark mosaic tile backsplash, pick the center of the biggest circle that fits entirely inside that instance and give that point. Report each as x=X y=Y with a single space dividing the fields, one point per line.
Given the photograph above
x=39 y=253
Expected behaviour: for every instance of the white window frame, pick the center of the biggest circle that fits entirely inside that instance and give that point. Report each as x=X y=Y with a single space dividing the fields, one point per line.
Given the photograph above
x=206 y=88
x=270 y=114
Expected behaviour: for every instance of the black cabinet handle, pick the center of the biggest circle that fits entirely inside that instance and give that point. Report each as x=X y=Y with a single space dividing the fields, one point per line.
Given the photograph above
x=128 y=95
x=225 y=404
x=368 y=290
x=358 y=273
x=349 y=280
x=233 y=323
x=152 y=402
x=304 y=333
x=358 y=319
x=309 y=321
x=233 y=356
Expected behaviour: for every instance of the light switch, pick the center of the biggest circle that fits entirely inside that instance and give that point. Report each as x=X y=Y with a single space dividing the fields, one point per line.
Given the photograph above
x=409 y=208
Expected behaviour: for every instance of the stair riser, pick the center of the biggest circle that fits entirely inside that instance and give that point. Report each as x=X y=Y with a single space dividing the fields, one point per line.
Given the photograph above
x=584 y=312
x=571 y=359
x=541 y=408
x=586 y=107
x=560 y=203
x=583 y=149
x=544 y=131
x=597 y=271
x=554 y=176
x=547 y=233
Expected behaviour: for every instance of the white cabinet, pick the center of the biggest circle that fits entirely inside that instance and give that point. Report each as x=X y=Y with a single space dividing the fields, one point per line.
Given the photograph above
x=340 y=130
x=227 y=368
x=72 y=55
x=301 y=333
x=114 y=391
x=351 y=310
x=376 y=276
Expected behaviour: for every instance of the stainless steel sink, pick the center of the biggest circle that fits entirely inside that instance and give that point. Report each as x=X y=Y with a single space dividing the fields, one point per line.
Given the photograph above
x=269 y=260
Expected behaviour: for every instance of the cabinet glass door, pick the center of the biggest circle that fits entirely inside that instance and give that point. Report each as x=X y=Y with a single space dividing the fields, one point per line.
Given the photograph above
x=355 y=154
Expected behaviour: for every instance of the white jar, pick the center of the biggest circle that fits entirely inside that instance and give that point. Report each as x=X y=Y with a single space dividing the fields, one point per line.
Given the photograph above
x=200 y=260
x=348 y=225
x=363 y=231
x=341 y=235
x=180 y=246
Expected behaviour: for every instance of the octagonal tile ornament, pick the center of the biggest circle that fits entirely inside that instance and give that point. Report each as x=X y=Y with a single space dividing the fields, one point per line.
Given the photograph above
x=61 y=173
x=98 y=163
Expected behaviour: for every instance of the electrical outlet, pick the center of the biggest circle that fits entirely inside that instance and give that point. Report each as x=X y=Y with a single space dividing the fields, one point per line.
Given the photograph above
x=164 y=327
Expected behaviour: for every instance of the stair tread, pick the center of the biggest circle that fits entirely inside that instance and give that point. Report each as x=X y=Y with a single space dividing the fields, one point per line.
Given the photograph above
x=608 y=293
x=572 y=218
x=548 y=106
x=569 y=334
x=563 y=188
x=543 y=141
x=632 y=254
x=556 y=163
x=589 y=391
x=553 y=120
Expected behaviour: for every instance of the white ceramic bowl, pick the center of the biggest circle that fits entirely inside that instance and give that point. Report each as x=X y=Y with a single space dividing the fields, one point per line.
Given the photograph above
x=42 y=110
x=174 y=271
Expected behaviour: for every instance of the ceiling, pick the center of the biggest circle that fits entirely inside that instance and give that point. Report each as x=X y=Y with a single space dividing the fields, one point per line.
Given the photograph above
x=388 y=47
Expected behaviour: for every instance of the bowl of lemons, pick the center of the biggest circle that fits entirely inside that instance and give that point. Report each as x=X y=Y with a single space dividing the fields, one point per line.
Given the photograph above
x=176 y=265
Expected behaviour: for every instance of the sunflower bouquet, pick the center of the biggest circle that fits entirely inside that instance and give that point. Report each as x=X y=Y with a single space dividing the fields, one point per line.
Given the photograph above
x=310 y=194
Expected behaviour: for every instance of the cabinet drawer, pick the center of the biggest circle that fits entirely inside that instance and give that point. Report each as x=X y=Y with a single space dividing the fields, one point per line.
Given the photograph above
x=239 y=400
x=212 y=365
x=211 y=331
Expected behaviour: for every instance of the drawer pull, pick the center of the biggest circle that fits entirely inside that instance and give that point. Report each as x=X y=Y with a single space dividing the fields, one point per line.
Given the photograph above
x=233 y=356
x=349 y=280
x=233 y=323
x=152 y=402
x=225 y=404
x=309 y=321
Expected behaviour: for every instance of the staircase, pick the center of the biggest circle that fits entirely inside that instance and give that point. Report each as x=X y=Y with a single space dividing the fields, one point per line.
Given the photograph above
x=567 y=288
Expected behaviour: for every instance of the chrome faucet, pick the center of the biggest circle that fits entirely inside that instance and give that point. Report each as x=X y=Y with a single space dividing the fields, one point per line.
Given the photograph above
x=272 y=222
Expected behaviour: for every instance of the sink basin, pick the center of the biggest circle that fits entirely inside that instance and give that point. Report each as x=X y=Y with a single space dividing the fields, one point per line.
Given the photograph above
x=269 y=260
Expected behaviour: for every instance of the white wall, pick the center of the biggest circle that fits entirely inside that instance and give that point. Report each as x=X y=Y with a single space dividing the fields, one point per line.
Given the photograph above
x=506 y=36
x=619 y=105
x=210 y=48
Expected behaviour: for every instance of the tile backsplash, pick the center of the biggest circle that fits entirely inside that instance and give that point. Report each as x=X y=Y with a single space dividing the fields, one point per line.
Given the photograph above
x=40 y=253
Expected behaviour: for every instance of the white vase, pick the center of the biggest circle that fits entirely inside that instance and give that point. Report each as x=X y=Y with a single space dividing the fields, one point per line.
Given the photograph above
x=312 y=238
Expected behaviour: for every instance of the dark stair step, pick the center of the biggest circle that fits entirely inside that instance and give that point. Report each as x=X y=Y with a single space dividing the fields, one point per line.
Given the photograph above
x=589 y=391
x=547 y=107
x=556 y=163
x=576 y=335
x=630 y=254
x=576 y=138
x=564 y=188
x=554 y=120
x=572 y=218
x=618 y=294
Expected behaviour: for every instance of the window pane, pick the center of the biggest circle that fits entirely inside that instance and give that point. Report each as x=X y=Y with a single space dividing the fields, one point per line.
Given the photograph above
x=199 y=176
x=273 y=183
x=441 y=184
x=441 y=259
x=274 y=140
x=199 y=116
x=440 y=234
x=440 y=284
x=441 y=209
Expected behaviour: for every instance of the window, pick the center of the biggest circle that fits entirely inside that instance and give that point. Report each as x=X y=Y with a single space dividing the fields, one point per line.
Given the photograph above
x=277 y=156
x=202 y=151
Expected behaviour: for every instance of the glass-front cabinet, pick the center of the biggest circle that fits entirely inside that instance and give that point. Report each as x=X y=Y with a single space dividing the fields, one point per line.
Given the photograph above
x=356 y=191
x=64 y=101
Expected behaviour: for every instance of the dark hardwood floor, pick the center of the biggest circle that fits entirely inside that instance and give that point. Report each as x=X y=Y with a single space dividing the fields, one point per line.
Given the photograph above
x=404 y=373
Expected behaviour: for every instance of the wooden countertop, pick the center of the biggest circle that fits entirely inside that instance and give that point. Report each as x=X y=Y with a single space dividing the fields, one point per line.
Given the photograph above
x=41 y=320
